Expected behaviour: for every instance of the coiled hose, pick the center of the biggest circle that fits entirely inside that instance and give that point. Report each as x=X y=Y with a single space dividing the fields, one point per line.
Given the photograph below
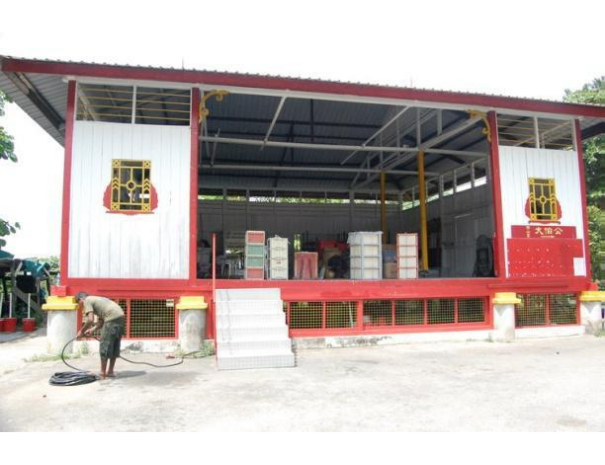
x=79 y=377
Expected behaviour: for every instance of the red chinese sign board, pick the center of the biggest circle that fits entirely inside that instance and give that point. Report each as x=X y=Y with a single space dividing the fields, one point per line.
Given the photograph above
x=535 y=251
x=543 y=232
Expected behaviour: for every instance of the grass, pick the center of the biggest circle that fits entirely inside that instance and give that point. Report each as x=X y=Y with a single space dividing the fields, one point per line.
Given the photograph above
x=206 y=350
x=83 y=351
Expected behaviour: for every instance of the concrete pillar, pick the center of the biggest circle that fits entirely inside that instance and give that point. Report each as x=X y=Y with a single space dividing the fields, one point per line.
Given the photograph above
x=590 y=310
x=62 y=323
x=504 y=316
x=192 y=322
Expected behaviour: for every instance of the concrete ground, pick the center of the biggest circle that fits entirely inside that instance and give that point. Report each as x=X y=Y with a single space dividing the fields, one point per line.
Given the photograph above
x=538 y=385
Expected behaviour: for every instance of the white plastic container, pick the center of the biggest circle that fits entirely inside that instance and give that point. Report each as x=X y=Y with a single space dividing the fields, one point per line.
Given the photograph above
x=278 y=257
x=407 y=256
x=366 y=254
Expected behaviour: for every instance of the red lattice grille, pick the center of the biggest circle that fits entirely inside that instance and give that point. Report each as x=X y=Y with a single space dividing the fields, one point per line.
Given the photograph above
x=532 y=310
x=409 y=312
x=378 y=313
x=152 y=318
x=471 y=310
x=341 y=314
x=441 y=311
x=306 y=315
x=563 y=309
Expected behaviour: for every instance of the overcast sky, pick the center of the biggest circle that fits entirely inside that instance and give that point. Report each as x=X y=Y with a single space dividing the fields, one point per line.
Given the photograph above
x=520 y=48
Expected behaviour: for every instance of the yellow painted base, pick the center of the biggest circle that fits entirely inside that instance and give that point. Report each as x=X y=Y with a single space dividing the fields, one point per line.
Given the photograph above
x=60 y=303
x=503 y=298
x=192 y=303
x=592 y=296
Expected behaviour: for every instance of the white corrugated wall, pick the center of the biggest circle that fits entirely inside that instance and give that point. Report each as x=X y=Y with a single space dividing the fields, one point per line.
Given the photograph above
x=110 y=245
x=517 y=165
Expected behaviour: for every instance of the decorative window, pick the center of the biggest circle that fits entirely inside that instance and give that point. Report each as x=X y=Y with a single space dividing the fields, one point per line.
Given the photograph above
x=130 y=189
x=543 y=205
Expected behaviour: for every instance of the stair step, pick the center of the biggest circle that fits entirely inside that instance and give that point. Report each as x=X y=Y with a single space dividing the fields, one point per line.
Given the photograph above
x=231 y=347
x=251 y=334
x=258 y=360
x=250 y=321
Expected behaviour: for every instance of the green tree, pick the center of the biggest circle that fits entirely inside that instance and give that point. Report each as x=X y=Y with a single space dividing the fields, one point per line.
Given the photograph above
x=594 y=154
x=7 y=152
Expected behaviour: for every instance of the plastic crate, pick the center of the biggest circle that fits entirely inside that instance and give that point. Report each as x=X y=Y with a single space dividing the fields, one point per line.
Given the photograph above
x=255 y=273
x=255 y=237
x=255 y=262
x=255 y=250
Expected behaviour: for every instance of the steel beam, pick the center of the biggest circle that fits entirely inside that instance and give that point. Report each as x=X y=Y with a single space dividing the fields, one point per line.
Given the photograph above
x=388 y=123
x=37 y=99
x=277 y=112
x=312 y=168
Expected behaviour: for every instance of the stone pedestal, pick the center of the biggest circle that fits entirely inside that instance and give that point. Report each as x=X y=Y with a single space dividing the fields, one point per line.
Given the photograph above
x=504 y=316
x=62 y=323
x=590 y=310
x=192 y=322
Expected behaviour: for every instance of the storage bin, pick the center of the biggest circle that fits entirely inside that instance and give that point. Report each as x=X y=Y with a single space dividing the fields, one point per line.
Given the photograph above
x=255 y=237
x=255 y=262
x=407 y=256
x=255 y=273
x=255 y=250
x=366 y=255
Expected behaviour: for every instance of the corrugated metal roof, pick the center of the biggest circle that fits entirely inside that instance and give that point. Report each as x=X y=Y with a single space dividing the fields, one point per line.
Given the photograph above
x=278 y=76
x=301 y=120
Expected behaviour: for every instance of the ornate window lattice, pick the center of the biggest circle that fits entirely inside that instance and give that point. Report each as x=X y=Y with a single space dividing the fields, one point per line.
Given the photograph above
x=131 y=185
x=542 y=200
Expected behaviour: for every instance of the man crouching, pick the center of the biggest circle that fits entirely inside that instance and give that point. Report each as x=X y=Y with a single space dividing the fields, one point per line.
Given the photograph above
x=110 y=317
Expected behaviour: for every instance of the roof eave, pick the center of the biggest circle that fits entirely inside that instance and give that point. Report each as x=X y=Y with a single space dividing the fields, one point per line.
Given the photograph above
x=9 y=64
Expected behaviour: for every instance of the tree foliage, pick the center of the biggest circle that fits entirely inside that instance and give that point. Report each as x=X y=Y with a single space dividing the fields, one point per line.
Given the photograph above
x=594 y=154
x=7 y=145
x=7 y=152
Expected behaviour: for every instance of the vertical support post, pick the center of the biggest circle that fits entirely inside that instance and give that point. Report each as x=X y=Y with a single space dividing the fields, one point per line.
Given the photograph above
x=360 y=315
x=128 y=318
x=193 y=176
x=579 y=149
x=383 y=207
x=422 y=198
x=499 y=250
x=69 y=132
x=351 y=210
x=213 y=305
x=323 y=315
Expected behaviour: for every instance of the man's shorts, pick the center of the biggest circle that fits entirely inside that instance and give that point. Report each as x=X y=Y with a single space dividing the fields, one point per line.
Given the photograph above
x=111 y=335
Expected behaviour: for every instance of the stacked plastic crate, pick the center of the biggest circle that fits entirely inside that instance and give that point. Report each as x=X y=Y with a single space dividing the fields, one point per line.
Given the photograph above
x=407 y=256
x=255 y=254
x=366 y=255
x=278 y=257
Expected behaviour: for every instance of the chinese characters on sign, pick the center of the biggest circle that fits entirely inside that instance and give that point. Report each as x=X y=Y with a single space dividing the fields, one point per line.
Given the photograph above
x=544 y=232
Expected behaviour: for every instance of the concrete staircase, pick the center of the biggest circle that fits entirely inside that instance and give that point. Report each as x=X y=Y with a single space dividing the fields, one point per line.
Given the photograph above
x=251 y=330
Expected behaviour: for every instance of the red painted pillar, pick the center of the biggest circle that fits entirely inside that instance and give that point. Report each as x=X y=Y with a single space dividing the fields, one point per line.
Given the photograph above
x=69 y=132
x=195 y=144
x=499 y=257
x=580 y=150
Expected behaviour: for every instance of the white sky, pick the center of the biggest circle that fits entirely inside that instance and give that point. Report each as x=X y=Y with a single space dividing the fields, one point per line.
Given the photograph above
x=521 y=48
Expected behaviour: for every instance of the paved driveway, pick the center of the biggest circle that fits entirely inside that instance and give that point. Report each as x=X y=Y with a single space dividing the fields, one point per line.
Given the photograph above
x=540 y=385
